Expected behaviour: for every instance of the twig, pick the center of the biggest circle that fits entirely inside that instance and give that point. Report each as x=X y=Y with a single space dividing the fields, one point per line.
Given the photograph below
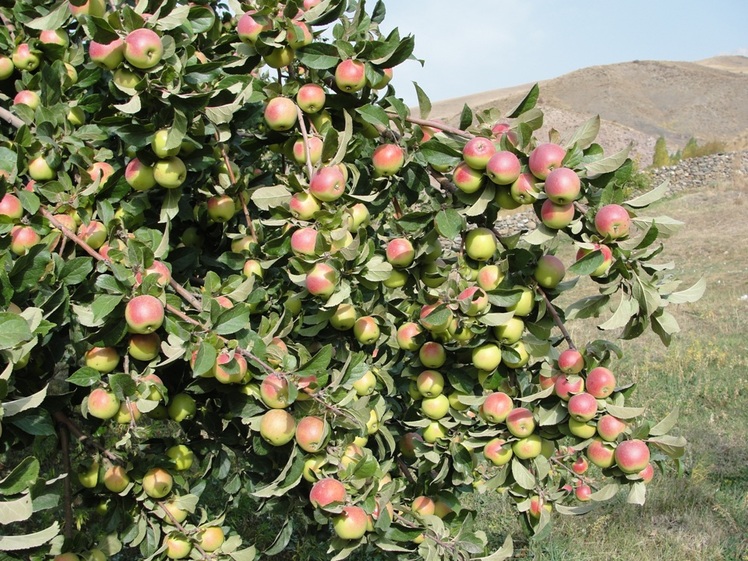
x=68 y=506
x=556 y=318
x=186 y=295
x=11 y=119
x=63 y=419
x=434 y=124
x=182 y=529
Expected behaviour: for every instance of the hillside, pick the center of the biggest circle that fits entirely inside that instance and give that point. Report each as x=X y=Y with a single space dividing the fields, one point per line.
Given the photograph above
x=638 y=102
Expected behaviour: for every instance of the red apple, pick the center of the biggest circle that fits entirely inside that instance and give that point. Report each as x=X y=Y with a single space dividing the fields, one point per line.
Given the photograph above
x=10 y=206
x=504 y=168
x=144 y=314
x=544 y=158
x=25 y=58
x=409 y=335
x=351 y=523
x=498 y=451
x=432 y=354
x=303 y=206
x=366 y=330
x=328 y=184
x=549 y=271
x=582 y=407
x=477 y=152
x=304 y=242
x=143 y=48
x=274 y=391
x=387 y=160
x=647 y=474
x=281 y=114
x=322 y=280
x=350 y=75
x=571 y=361
x=583 y=492
x=277 y=427
x=580 y=465
x=311 y=433
x=103 y=359
x=139 y=175
x=312 y=147
x=108 y=55
x=556 y=216
x=632 y=456
x=600 y=382
x=613 y=221
x=467 y=179
x=473 y=301
x=249 y=27
x=326 y=492
x=607 y=258
x=102 y=404
x=221 y=208
x=23 y=238
x=496 y=407
x=566 y=385
x=311 y=98
x=27 y=97
x=400 y=252
x=520 y=422
x=430 y=383
x=600 y=453
x=562 y=186
x=610 y=428
x=523 y=189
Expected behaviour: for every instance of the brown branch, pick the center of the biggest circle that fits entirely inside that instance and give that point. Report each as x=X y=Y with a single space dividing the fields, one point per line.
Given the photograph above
x=68 y=234
x=556 y=318
x=186 y=295
x=581 y=477
x=434 y=124
x=405 y=471
x=11 y=119
x=68 y=490
x=63 y=419
x=445 y=183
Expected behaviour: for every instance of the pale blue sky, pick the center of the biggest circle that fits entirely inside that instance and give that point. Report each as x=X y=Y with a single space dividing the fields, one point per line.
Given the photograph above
x=471 y=46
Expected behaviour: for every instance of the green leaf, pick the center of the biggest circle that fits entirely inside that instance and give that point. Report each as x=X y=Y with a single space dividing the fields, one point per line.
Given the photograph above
x=689 y=295
x=11 y=408
x=232 y=320
x=29 y=541
x=522 y=475
x=574 y=510
x=17 y=510
x=624 y=412
x=319 y=56
x=495 y=318
x=606 y=493
x=266 y=198
x=318 y=363
x=585 y=134
x=651 y=197
x=587 y=264
x=55 y=19
x=29 y=201
x=607 y=165
x=638 y=494
x=375 y=115
x=103 y=305
x=527 y=103
x=439 y=154
x=377 y=269
x=627 y=308
x=466 y=117
x=587 y=307
x=14 y=332
x=424 y=103
x=666 y=425
x=449 y=223
x=23 y=476
x=76 y=270
x=673 y=446
x=85 y=377
x=506 y=551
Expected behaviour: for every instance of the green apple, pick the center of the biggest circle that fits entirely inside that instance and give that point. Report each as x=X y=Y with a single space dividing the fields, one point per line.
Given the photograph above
x=170 y=173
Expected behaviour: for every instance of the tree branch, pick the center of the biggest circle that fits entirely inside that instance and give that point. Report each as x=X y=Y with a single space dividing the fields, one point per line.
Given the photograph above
x=434 y=124
x=68 y=506
x=63 y=419
x=556 y=318
x=11 y=119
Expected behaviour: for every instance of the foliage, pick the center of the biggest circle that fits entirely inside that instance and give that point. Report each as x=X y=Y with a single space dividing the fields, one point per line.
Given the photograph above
x=691 y=149
x=155 y=264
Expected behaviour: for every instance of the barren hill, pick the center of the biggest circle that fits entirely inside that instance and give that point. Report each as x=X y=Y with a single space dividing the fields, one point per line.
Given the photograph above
x=638 y=101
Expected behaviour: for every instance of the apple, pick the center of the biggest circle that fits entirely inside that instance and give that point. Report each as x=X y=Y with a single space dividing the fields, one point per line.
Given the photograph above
x=311 y=433
x=95 y=8
x=249 y=27
x=94 y=233
x=89 y=477
x=100 y=171
x=562 y=186
x=544 y=158
x=170 y=173
x=10 y=207
x=473 y=301
x=253 y=268
x=610 y=428
x=27 y=97
x=116 y=479
x=400 y=252
x=350 y=75
x=102 y=404
x=230 y=368
x=647 y=474
x=40 y=170
x=489 y=277
x=156 y=268
x=299 y=35
x=311 y=98
x=407 y=445
x=6 y=67
x=326 y=492
x=571 y=361
x=303 y=206
x=566 y=385
x=583 y=492
x=477 y=152
x=503 y=198
x=23 y=238
x=143 y=48
x=102 y=359
x=210 y=538
x=54 y=37
x=510 y=332
x=503 y=168
x=281 y=57
x=496 y=407
x=157 y=483
x=580 y=465
x=327 y=184
x=467 y=179
x=351 y=523
x=366 y=330
x=24 y=58
x=321 y=280
x=126 y=79
x=486 y=357
x=435 y=407
x=632 y=456
x=274 y=391
x=304 y=242
x=607 y=258
x=600 y=453
x=158 y=145
x=498 y=451
x=556 y=216
x=525 y=304
x=582 y=407
x=430 y=383
x=549 y=271
x=221 y=208
x=144 y=314
x=434 y=431
x=612 y=221
x=409 y=336
x=309 y=4
x=523 y=189
x=277 y=427
x=107 y=55
x=321 y=121
x=177 y=546
x=280 y=114
x=181 y=457
x=366 y=384
x=423 y=506
x=182 y=407
x=76 y=116
x=503 y=130
x=387 y=160
x=600 y=382
x=528 y=447
x=520 y=422
x=581 y=429
x=432 y=354
x=356 y=216
x=521 y=350
x=480 y=244
x=312 y=147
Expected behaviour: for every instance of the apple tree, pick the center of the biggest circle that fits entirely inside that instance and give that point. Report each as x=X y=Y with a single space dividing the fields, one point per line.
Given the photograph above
x=235 y=266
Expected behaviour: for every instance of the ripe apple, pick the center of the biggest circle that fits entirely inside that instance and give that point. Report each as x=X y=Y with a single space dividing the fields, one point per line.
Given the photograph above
x=400 y=252
x=580 y=465
x=144 y=314
x=280 y=57
x=432 y=354
x=322 y=280
x=477 y=152
x=503 y=130
x=116 y=479
x=100 y=171
x=102 y=404
x=351 y=523
x=366 y=330
x=350 y=75
x=467 y=179
x=280 y=114
x=54 y=37
x=600 y=382
x=503 y=168
x=549 y=271
x=326 y=492
x=544 y=158
x=221 y=208
x=95 y=8
x=523 y=190
x=274 y=391
x=303 y=206
x=311 y=98
x=23 y=238
x=108 y=55
x=480 y=244
x=562 y=186
x=498 y=451
x=520 y=422
x=143 y=48
x=158 y=145
x=328 y=184
x=10 y=207
x=157 y=483
x=632 y=456
x=177 y=546
x=170 y=173
x=311 y=433
x=510 y=332
x=435 y=407
x=582 y=407
x=211 y=538
x=583 y=492
x=610 y=428
x=387 y=160
x=94 y=233
x=156 y=268
x=496 y=407
x=304 y=242
x=24 y=58
x=312 y=147
x=613 y=222
x=277 y=427
x=528 y=447
x=556 y=216
x=40 y=170
x=566 y=385
x=231 y=368
x=182 y=407
x=409 y=336
x=489 y=277
x=430 y=383
x=6 y=67
x=27 y=97
x=473 y=301
x=139 y=175
x=102 y=359
x=571 y=361
x=600 y=453
x=607 y=258
x=486 y=357
x=249 y=27
x=647 y=474
x=181 y=457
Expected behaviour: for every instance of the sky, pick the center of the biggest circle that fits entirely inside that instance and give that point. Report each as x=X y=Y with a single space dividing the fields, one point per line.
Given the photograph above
x=471 y=46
